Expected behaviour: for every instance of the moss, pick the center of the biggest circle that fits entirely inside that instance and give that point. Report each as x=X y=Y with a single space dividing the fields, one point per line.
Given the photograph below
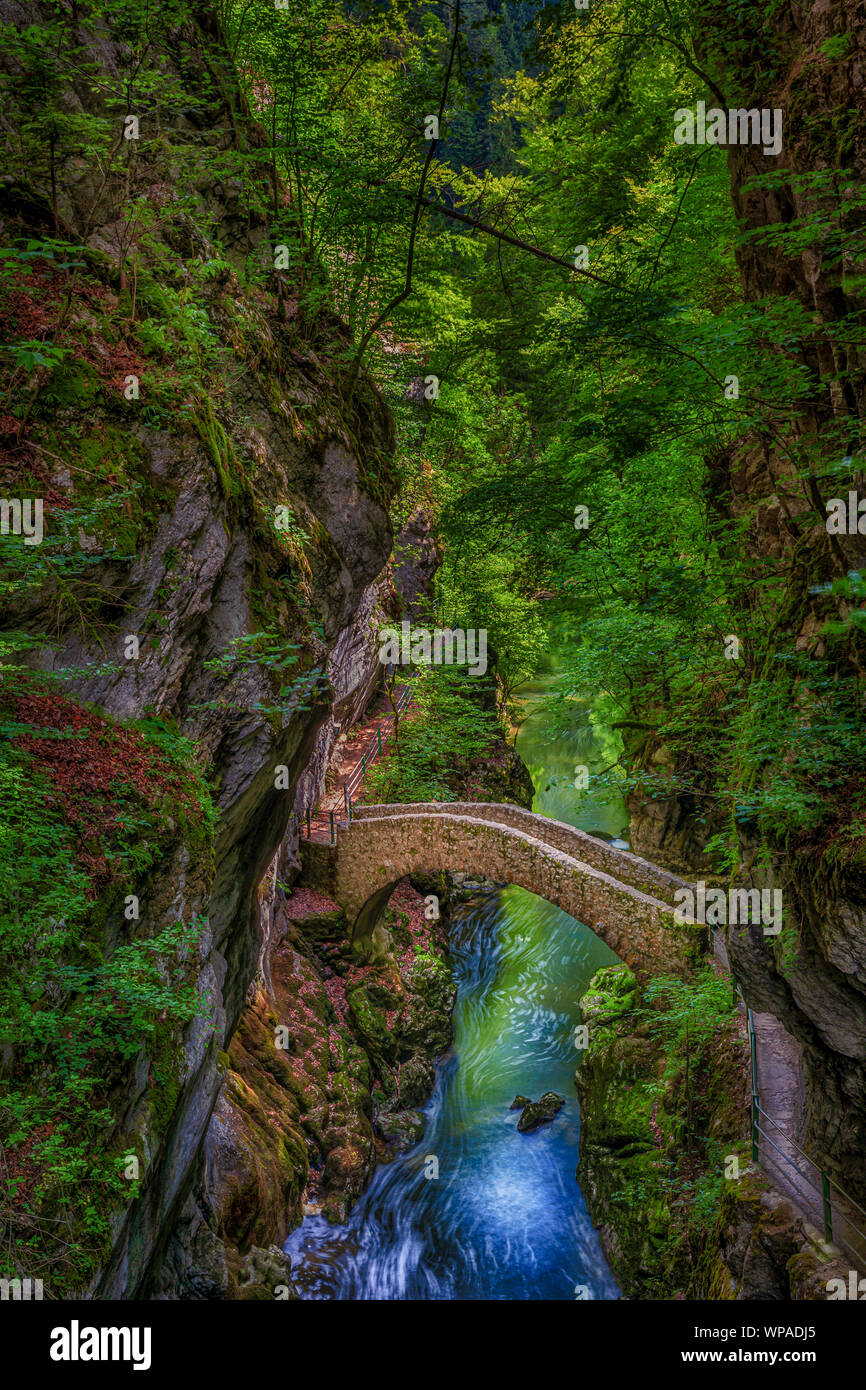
x=611 y=993
x=427 y=975
x=167 y=1061
x=371 y=1022
x=652 y=1148
x=232 y=478
x=263 y=1188
x=112 y=803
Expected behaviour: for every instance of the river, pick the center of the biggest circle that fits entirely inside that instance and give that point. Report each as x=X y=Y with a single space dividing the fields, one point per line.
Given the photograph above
x=476 y=1210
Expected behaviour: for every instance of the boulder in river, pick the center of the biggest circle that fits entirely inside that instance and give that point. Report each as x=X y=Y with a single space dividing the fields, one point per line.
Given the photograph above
x=539 y=1112
x=520 y=1103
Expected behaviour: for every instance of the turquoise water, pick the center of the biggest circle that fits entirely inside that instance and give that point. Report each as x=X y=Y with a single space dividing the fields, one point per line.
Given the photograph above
x=553 y=743
x=476 y=1210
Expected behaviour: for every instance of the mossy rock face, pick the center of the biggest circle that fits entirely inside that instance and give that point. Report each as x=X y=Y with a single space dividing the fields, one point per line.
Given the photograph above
x=348 y=1168
x=160 y=527
x=167 y=1066
x=399 y=931
x=434 y=883
x=350 y=1093
x=811 y=1273
x=321 y=926
x=351 y=1062
x=402 y=1129
x=425 y=1029
x=385 y=991
x=348 y=1088
x=611 y=993
x=371 y=1023
x=621 y=1166
x=658 y=1118
x=265 y=1275
x=416 y=1081
x=430 y=977
x=261 y=1176
x=540 y=1112
x=753 y=1248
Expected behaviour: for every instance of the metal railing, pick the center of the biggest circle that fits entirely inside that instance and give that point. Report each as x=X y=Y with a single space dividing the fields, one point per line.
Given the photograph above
x=374 y=750
x=327 y=820
x=828 y=1214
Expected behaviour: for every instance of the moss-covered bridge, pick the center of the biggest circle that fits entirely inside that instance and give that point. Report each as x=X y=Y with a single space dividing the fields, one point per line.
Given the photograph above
x=625 y=900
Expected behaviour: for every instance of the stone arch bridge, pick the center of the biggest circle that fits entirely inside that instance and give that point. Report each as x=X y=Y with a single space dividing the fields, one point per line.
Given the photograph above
x=625 y=900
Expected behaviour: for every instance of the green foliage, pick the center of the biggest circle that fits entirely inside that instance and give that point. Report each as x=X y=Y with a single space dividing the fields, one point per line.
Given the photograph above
x=271 y=653
x=836 y=47
x=446 y=734
x=684 y=1014
x=606 y=390
x=559 y=390
x=74 y=1015
x=659 y=1067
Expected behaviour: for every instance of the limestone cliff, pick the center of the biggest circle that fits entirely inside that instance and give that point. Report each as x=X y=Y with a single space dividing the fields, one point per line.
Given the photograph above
x=815 y=982
x=324 y=1077
x=665 y=1162
x=216 y=529
x=812 y=976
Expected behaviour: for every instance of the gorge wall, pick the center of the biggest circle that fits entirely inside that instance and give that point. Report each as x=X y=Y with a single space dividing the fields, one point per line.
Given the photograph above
x=225 y=522
x=184 y=649
x=665 y=1152
x=778 y=482
x=768 y=493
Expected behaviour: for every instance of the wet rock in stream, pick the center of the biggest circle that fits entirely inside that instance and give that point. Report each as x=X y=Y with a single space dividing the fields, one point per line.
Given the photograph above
x=539 y=1112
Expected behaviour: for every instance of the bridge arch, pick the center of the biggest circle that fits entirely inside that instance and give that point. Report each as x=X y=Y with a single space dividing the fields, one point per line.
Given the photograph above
x=626 y=901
